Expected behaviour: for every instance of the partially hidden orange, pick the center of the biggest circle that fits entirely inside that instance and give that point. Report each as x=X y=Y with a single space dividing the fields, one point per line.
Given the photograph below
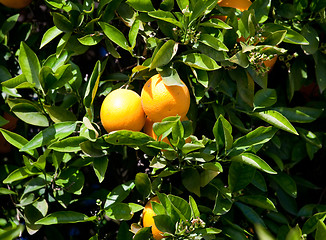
x=160 y=100
x=148 y=220
x=5 y=146
x=122 y=110
x=148 y=129
x=241 y=5
x=16 y=3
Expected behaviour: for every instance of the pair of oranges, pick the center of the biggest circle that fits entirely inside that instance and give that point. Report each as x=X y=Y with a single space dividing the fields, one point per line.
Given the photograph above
x=124 y=109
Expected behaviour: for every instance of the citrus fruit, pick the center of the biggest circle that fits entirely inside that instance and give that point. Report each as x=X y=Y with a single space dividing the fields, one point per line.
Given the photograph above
x=5 y=146
x=270 y=63
x=148 y=220
x=122 y=110
x=15 y=3
x=148 y=129
x=238 y=4
x=160 y=101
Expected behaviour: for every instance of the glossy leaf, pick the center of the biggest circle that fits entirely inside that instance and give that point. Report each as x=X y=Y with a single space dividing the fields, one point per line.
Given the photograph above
x=100 y=166
x=64 y=217
x=321 y=231
x=165 y=16
x=115 y=35
x=320 y=60
x=240 y=175
x=213 y=42
x=62 y=22
x=287 y=183
x=258 y=201
x=119 y=193
x=143 y=184
x=165 y=54
x=191 y=180
x=294 y=233
x=200 y=61
x=254 y=161
x=276 y=119
x=49 y=35
x=141 y=5
x=222 y=131
x=126 y=137
x=71 y=144
x=250 y=214
x=265 y=98
x=57 y=131
x=29 y=64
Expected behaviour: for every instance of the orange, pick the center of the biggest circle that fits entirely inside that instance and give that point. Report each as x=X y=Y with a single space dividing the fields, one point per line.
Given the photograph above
x=122 y=110
x=15 y=3
x=5 y=146
x=270 y=63
x=160 y=101
x=148 y=220
x=148 y=129
x=242 y=5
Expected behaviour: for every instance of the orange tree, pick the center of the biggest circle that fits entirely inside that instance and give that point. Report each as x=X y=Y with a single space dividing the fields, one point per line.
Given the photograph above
x=255 y=163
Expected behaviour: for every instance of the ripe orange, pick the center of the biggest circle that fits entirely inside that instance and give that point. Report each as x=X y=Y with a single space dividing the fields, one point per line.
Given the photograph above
x=122 y=110
x=160 y=101
x=148 y=129
x=148 y=220
x=15 y=3
x=5 y=146
x=238 y=4
x=270 y=63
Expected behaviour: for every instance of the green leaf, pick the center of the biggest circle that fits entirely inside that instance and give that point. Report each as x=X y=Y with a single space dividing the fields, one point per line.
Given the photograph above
x=59 y=114
x=170 y=76
x=240 y=175
x=133 y=33
x=201 y=7
x=61 y=22
x=257 y=137
x=9 y=24
x=300 y=114
x=276 y=119
x=165 y=16
x=5 y=191
x=320 y=60
x=294 y=233
x=254 y=161
x=265 y=98
x=119 y=193
x=309 y=33
x=17 y=141
x=194 y=208
x=29 y=64
x=213 y=42
x=261 y=8
x=64 y=217
x=49 y=35
x=250 y=214
x=19 y=174
x=200 y=61
x=33 y=213
x=258 y=201
x=211 y=170
x=115 y=35
x=311 y=224
x=71 y=144
x=181 y=206
x=12 y=232
x=92 y=85
x=119 y=211
x=90 y=39
x=164 y=55
x=143 y=184
x=18 y=82
x=286 y=182
x=215 y=23
x=141 y=5
x=30 y=113
x=164 y=223
x=275 y=38
x=222 y=131
x=321 y=231
x=100 y=165
x=291 y=35
x=191 y=180
x=57 y=131
x=129 y=138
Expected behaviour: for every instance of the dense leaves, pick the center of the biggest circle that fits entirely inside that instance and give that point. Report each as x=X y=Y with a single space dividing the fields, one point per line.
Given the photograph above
x=246 y=164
